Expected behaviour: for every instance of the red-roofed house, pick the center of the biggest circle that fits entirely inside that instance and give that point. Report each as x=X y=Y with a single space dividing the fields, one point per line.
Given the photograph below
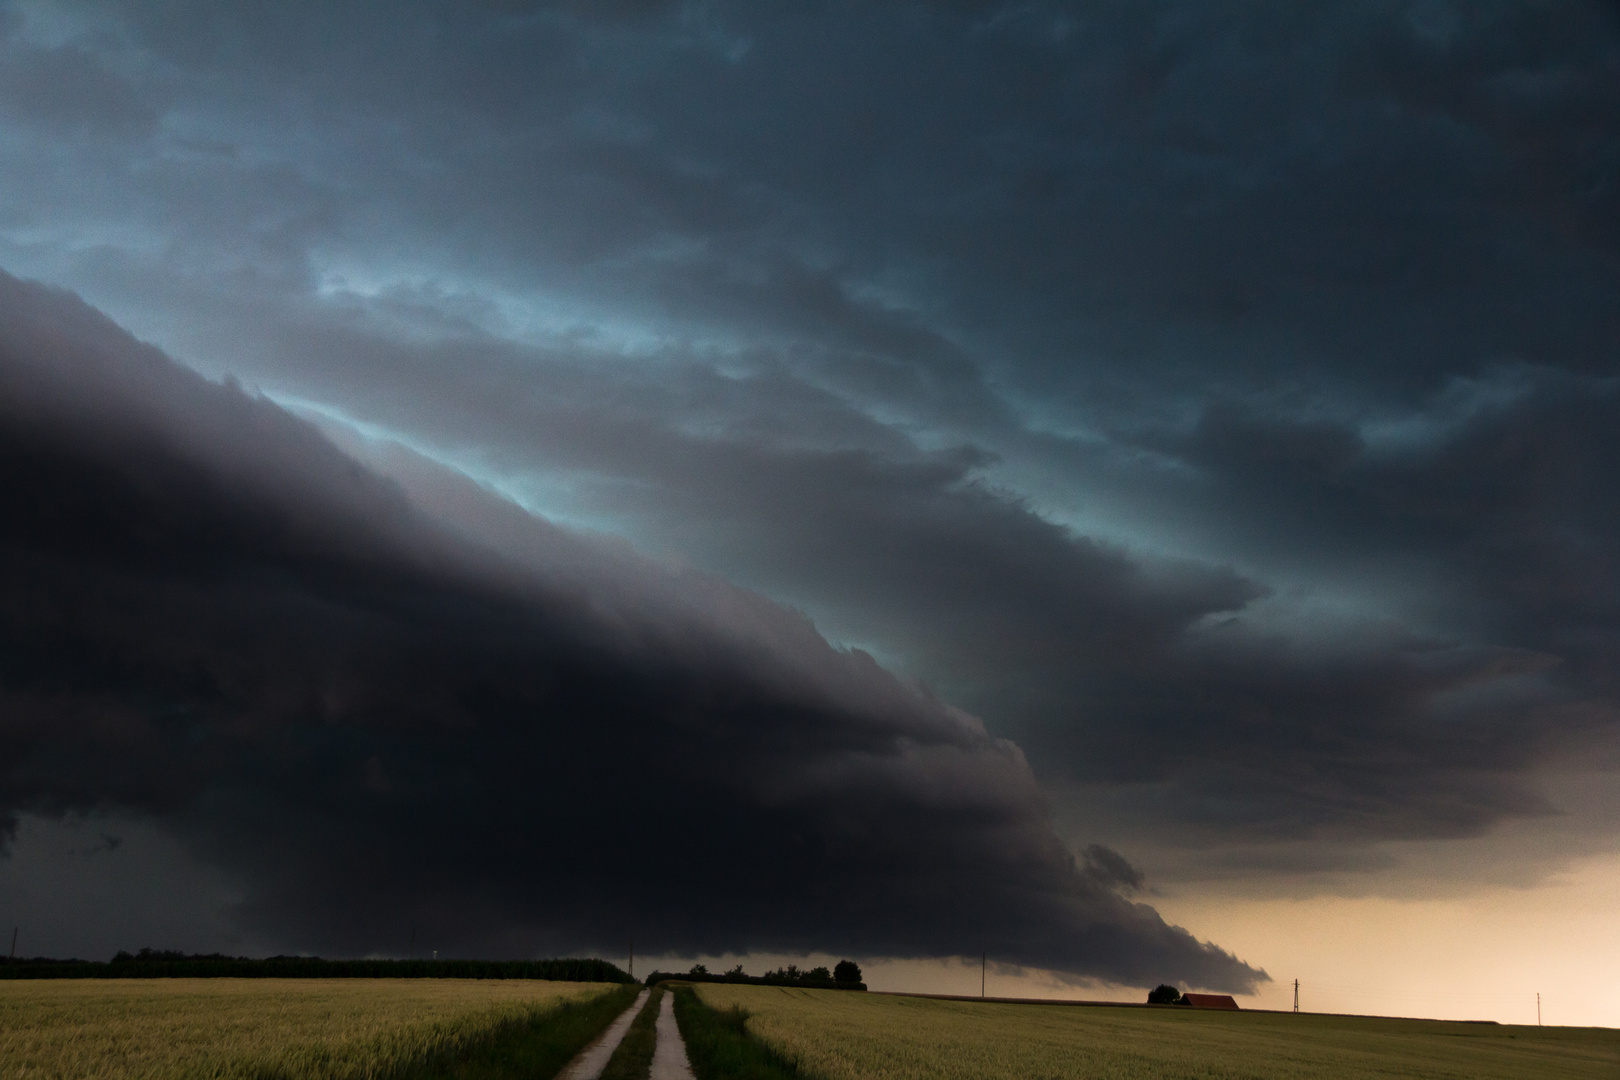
x=1209 y=1001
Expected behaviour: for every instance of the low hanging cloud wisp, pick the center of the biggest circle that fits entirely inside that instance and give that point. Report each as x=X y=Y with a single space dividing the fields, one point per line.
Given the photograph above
x=217 y=621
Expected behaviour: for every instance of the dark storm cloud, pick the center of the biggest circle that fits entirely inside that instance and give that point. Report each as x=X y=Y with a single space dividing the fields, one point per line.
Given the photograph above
x=1111 y=669
x=1511 y=497
x=214 y=619
x=1108 y=867
x=1216 y=398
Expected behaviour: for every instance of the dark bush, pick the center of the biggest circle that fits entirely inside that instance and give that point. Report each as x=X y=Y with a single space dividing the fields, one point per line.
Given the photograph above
x=847 y=971
x=781 y=977
x=1164 y=994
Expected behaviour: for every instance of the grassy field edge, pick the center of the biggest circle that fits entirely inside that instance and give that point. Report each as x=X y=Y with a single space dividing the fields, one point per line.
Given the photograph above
x=536 y=1047
x=720 y=1047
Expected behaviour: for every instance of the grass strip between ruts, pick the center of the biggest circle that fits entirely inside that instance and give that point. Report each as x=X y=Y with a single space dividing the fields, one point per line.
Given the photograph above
x=633 y=1059
x=536 y=1048
x=719 y=1046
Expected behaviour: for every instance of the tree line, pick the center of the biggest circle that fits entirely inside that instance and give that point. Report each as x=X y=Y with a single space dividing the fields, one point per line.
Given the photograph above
x=845 y=975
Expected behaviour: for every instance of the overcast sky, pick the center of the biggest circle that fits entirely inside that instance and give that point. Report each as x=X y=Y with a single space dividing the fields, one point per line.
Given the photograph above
x=912 y=478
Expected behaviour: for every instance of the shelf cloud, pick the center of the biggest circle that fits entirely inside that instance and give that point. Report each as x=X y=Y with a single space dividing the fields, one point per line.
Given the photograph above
x=219 y=622
x=1006 y=462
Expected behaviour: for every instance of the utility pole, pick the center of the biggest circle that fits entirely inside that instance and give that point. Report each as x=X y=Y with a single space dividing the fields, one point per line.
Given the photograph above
x=632 y=958
x=984 y=958
x=14 y=930
x=413 y=943
x=1538 y=1008
x=1296 y=995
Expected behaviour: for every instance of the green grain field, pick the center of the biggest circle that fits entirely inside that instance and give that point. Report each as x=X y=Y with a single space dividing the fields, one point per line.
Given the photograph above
x=291 y=1029
x=834 y=1035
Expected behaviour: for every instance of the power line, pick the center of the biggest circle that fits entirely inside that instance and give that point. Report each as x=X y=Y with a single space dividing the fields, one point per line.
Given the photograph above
x=1364 y=990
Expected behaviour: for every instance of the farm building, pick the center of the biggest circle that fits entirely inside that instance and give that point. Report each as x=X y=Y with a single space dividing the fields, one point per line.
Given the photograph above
x=1209 y=1001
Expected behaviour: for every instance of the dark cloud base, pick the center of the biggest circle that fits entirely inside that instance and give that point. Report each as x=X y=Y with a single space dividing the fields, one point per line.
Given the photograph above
x=214 y=619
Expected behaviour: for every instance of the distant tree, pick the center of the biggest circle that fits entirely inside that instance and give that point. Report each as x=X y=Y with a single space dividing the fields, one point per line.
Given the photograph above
x=818 y=973
x=736 y=971
x=1164 y=994
x=847 y=971
x=698 y=969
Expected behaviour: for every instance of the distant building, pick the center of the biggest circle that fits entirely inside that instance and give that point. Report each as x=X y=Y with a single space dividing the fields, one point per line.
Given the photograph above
x=1209 y=1001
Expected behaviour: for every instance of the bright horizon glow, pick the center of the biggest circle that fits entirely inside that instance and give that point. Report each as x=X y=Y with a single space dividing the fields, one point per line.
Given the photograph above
x=1482 y=956
x=1418 y=959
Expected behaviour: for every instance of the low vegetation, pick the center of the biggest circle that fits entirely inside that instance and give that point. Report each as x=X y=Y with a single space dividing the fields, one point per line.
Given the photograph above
x=539 y=1046
x=298 y=1029
x=719 y=1046
x=633 y=1058
x=833 y=1036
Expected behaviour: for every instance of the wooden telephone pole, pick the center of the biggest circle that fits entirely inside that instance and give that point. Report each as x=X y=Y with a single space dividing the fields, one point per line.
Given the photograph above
x=1296 y=995
x=984 y=958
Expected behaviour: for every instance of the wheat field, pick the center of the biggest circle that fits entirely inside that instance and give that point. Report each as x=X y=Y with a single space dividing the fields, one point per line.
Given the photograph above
x=838 y=1035
x=297 y=1029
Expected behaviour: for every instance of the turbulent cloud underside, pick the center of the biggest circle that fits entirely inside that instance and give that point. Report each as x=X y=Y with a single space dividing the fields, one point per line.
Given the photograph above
x=216 y=620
